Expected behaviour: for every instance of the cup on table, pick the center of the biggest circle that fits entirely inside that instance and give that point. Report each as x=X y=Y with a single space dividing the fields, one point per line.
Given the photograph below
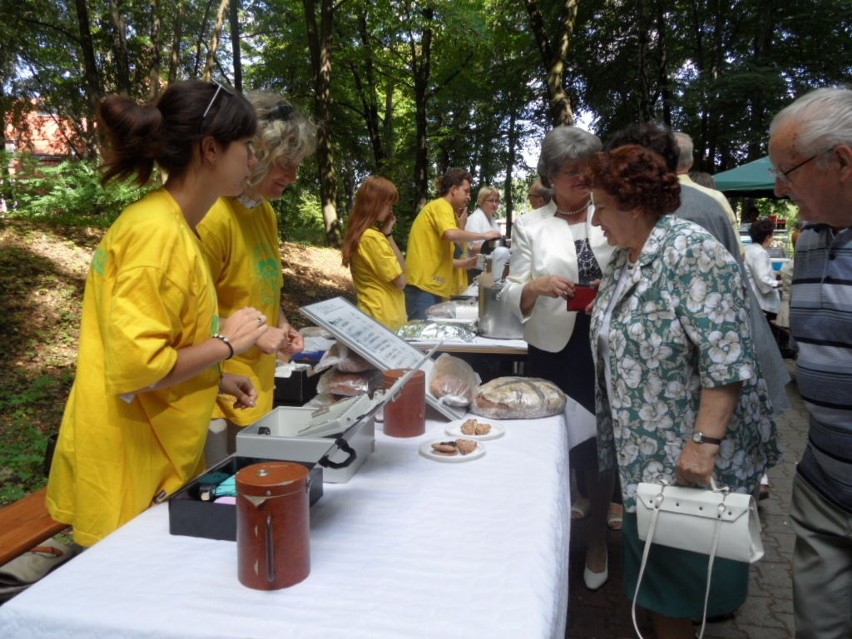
x=405 y=415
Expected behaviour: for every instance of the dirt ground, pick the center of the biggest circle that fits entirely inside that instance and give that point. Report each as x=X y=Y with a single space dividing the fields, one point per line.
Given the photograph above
x=42 y=277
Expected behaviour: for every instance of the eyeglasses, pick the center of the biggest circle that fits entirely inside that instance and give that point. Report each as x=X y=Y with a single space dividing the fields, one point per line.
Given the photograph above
x=493 y=201
x=219 y=89
x=784 y=176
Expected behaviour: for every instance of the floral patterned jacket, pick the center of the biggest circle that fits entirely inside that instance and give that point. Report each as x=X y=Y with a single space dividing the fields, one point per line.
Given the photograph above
x=680 y=324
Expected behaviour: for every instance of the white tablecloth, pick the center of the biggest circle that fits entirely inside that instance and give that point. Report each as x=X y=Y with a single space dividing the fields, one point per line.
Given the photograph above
x=408 y=548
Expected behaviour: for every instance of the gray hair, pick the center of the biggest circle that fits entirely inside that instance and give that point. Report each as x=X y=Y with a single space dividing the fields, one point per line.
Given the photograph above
x=284 y=135
x=562 y=144
x=685 y=151
x=823 y=118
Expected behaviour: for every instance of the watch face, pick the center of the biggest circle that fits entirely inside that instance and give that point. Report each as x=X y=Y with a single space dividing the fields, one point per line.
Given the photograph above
x=696 y=437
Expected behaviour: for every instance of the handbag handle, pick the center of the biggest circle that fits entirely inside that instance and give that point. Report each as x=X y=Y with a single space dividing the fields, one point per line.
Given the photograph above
x=652 y=525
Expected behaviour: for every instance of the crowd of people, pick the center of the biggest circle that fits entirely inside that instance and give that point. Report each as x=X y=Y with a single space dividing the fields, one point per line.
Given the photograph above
x=673 y=360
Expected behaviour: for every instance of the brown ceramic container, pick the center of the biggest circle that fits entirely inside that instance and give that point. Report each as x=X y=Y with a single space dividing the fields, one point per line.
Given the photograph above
x=273 y=525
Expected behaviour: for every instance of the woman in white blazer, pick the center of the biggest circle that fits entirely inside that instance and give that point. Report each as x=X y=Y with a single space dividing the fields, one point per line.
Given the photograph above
x=554 y=248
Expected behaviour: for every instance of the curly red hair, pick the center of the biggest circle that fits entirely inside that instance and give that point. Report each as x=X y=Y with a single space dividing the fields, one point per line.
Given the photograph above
x=636 y=177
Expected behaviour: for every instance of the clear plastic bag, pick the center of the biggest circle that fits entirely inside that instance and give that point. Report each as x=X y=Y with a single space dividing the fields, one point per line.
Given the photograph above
x=344 y=359
x=453 y=381
x=349 y=384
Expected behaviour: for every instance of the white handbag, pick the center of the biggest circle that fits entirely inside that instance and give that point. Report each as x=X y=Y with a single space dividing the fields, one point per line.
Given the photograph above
x=714 y=522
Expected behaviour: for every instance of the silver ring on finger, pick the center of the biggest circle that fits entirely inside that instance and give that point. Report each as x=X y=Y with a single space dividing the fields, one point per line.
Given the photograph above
x=260 y=320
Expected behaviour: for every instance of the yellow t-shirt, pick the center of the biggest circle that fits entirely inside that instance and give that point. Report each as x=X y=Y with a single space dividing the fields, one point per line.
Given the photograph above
x=430 y=257
x=241 y=246
x=374 y=266
x=148 y=294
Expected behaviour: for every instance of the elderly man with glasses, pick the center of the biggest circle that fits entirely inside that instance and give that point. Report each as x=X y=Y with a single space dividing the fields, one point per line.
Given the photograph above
x=810 y=145
x=538 y=195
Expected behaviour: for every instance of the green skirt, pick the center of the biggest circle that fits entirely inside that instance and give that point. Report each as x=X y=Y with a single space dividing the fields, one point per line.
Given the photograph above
x=675 y=580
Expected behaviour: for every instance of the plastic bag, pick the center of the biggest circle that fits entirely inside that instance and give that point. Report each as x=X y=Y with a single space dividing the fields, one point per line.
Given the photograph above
x=518 y=398
x=453 y=310
x=349 y=384
x=344 y=359
x=323 y=400
x=453 y=381
x=23 y=571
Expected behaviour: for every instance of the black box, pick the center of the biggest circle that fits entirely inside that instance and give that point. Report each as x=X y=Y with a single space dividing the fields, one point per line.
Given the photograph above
x=189 y=515
x=296 y=389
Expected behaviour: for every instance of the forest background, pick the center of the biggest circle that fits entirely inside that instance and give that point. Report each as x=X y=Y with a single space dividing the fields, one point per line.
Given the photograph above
x=402 y=88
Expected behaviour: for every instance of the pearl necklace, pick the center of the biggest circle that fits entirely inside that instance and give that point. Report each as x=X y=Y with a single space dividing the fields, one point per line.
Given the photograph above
x=562 y=213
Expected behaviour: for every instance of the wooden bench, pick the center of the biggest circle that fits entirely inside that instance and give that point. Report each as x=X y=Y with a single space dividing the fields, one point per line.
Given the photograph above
x=25 y=524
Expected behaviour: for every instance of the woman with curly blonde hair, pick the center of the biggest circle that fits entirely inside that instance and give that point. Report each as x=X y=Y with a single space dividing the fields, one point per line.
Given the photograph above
x=240 y=237
x=371 y=253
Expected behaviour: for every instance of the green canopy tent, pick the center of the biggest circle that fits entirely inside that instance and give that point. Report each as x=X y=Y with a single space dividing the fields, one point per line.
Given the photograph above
x=749 y=180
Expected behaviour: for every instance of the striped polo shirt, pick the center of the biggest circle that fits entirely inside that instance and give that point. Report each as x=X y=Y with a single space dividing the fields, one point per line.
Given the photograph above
x=821 y=323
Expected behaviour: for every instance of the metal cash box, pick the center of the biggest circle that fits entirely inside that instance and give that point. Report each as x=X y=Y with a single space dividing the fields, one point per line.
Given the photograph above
x=339 y=437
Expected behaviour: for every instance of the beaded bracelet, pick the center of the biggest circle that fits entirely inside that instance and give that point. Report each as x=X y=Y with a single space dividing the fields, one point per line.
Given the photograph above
x=227 y=343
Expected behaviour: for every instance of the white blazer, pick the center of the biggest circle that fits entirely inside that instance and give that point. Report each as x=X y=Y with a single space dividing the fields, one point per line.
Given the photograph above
x=762 y=278
x=542 y=244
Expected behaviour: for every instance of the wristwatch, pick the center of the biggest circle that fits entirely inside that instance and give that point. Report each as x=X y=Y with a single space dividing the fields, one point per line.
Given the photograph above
x=700 y=438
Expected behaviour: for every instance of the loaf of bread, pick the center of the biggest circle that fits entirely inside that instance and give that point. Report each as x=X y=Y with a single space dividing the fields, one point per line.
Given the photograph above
x=518 y=398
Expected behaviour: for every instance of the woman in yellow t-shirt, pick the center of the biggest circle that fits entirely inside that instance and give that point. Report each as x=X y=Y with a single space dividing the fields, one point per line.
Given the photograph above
x=371 y=253
x=151 y=343
x=240 y=238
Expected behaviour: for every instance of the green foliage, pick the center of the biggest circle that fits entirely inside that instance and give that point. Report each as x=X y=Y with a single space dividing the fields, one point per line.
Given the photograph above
x=302 y=222
x=70 y=193
x=24 y=445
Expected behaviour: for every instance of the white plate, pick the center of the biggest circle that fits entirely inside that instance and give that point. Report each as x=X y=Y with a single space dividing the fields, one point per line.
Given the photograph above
x=497 y=430
x=426 y=451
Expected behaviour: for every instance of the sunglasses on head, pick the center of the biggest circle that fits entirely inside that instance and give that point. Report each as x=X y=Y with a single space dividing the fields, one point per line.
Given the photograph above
x=219 y=89
x=281 y=111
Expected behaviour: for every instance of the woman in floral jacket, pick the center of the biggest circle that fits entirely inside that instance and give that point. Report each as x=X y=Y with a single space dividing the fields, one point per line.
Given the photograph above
x=677 y=396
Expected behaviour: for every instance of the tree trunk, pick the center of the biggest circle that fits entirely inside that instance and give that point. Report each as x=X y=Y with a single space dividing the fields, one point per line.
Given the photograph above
x=662 y=66
x=235 y=45
x=512 y=141
x=421 y=67
x=122 y=59
x=214 y=40
x=642 y=71
x=177 y=35
x=554 y=61
x=154 y=53
x=368 y=93
x=319 y=45
x=92 y=88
